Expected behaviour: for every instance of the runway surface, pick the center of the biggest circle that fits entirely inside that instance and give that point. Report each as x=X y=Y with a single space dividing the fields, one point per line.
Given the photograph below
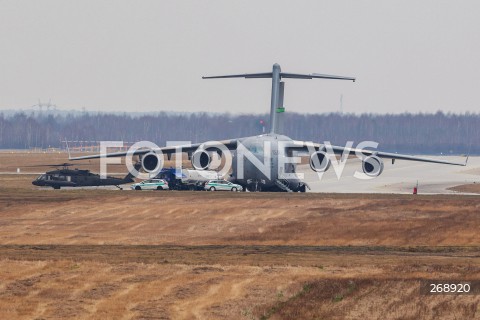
x=400 y=177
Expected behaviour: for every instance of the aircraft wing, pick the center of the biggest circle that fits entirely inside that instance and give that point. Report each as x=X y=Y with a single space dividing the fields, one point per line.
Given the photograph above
x=305 y=146
x=189 y=148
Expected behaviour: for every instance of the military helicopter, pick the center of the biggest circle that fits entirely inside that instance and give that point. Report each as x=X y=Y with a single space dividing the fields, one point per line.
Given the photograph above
x=66 y=177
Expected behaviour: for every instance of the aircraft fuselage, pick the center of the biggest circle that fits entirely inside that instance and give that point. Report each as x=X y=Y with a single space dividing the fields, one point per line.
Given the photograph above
x=264 y=162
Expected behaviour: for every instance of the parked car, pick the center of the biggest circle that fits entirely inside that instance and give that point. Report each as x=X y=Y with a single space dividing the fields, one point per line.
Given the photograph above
x=152 y=184
x=222 y=185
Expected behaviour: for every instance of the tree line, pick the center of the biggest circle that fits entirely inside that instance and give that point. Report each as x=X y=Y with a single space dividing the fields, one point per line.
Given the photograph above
x=406 y=133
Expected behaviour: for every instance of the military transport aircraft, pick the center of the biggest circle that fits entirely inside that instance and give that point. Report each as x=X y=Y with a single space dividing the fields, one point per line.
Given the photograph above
x=264 y=164
x=76 y=178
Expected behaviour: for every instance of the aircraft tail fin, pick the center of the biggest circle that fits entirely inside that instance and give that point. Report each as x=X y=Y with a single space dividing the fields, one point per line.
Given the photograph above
x=279 y=116
x=277 y=75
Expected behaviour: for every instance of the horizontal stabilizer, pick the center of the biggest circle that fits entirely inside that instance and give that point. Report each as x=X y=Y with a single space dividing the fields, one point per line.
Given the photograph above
x=282 y=75
x=314 y=76
x=245 y=75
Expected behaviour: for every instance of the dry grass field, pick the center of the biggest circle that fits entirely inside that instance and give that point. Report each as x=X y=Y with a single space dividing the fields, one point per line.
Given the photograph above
x=110 y=254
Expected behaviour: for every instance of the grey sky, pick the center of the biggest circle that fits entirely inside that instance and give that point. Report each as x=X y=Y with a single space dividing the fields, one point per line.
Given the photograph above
x=150 y=55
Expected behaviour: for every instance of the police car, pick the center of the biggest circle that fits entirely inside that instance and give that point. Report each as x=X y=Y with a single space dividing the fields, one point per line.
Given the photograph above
x=152 y=184
x=222 y=185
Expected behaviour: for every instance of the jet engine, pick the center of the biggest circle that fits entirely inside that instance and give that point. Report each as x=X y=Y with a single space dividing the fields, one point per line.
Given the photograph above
x=151 y=162
x=372 y=166
x=319 y=161
x=201 y=160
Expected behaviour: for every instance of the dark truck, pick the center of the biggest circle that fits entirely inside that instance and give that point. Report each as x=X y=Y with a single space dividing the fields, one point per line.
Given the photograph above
x=187 y=179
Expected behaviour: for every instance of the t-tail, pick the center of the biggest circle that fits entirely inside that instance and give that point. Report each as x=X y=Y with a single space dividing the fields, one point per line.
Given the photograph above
x=278 y=86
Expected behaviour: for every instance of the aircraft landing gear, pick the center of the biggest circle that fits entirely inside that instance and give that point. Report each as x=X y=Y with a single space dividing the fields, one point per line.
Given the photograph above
x=254 y=187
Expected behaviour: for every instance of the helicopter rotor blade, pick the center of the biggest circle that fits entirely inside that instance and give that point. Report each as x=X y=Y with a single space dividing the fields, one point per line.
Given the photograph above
x=55 y=165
